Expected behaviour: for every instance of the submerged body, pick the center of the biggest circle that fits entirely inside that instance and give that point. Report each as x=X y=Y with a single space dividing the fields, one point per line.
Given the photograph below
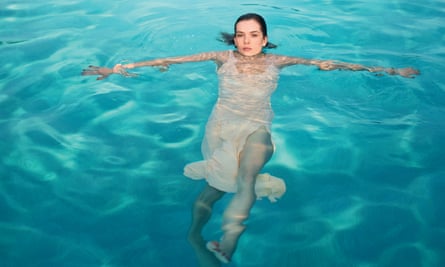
x=243 y=107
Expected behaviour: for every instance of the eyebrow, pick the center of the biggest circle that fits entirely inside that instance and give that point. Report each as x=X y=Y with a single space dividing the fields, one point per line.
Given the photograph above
x=249 y=32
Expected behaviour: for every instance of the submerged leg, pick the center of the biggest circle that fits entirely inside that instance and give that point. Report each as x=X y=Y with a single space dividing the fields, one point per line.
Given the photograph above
x=257 y=151
x=201 y=213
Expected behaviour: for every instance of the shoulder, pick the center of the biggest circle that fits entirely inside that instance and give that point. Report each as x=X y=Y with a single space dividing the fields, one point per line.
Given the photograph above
x=275 y=59
x=281 y=61
x=223 y=56
x=217 y=56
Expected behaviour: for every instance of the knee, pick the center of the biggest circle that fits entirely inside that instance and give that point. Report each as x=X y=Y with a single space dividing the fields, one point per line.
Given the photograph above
x=246 y=181
x=202 y=205
x=245 y=177
x=209 y=196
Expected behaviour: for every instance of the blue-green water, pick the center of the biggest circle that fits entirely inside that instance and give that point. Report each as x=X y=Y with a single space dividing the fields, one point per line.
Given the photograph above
x=91 y=171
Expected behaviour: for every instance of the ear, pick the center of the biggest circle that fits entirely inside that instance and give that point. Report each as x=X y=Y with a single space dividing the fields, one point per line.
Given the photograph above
x=265 y=40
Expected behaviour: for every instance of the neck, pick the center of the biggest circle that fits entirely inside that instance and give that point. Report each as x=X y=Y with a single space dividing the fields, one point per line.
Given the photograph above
x=259 y=55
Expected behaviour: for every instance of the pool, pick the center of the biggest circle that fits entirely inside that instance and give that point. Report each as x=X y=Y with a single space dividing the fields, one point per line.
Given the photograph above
x=91 y=171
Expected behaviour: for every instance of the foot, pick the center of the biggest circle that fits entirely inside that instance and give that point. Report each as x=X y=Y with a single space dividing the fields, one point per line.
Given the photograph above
x=203 y=255
x=213 y=246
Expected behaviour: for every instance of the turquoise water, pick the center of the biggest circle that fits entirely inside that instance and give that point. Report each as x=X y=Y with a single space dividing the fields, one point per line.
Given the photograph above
x=91 y=171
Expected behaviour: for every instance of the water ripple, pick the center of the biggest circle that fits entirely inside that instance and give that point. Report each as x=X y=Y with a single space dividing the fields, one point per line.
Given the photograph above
x=91 y=171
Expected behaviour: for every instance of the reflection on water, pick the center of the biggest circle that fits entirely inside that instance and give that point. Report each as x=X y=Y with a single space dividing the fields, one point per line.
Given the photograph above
x=91 y=172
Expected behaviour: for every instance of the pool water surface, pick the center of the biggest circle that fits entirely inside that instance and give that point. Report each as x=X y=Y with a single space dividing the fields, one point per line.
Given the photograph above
x=91 y=172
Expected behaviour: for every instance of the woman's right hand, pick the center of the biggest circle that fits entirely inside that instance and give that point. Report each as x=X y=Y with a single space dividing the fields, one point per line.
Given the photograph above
x=101 y=71
x=105 y=72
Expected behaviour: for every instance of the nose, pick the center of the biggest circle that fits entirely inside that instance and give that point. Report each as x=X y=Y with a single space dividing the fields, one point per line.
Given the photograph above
x=246 y=39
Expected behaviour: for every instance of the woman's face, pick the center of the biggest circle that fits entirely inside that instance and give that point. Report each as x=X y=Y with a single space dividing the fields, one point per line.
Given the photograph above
x=249 y=38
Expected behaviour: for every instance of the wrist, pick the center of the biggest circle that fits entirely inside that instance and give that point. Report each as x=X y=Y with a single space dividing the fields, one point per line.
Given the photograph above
x=117 y=68
x=391 y=71
x=129 y=66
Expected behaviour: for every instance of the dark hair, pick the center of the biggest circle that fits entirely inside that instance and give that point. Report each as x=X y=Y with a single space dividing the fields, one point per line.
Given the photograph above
x=228 y=38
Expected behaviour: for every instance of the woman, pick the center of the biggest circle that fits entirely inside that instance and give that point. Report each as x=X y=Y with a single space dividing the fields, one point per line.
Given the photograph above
x=237 y=143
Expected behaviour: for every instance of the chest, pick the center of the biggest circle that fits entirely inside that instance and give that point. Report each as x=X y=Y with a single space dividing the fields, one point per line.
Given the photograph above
x=251 y=68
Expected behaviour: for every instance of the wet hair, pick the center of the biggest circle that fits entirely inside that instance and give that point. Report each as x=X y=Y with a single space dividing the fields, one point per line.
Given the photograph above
x=228 y=38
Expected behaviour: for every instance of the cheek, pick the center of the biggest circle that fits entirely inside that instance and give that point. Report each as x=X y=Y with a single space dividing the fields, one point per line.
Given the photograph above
x=261 y=43
x=235 y=41
x=264 y=42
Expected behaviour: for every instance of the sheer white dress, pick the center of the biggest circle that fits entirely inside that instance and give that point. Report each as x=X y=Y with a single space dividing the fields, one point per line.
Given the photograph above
x=243 y=106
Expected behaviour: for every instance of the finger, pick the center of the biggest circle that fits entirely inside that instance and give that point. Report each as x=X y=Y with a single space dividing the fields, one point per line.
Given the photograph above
x=92 y=68
x=102 y=77
x=88 y=72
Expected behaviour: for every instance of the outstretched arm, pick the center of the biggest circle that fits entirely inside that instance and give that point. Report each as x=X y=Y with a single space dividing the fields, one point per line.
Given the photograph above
x=283 y=61
x=331 y=65
x=121 y=69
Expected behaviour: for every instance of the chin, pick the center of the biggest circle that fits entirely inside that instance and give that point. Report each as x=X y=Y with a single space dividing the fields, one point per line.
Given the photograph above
x=249 y=53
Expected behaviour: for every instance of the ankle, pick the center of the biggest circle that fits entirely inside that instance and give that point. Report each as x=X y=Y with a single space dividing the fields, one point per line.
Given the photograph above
x=195 y=239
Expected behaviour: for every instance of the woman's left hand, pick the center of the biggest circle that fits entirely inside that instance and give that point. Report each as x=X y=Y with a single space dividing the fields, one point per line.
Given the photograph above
x=327 y=65
x=407 y=72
